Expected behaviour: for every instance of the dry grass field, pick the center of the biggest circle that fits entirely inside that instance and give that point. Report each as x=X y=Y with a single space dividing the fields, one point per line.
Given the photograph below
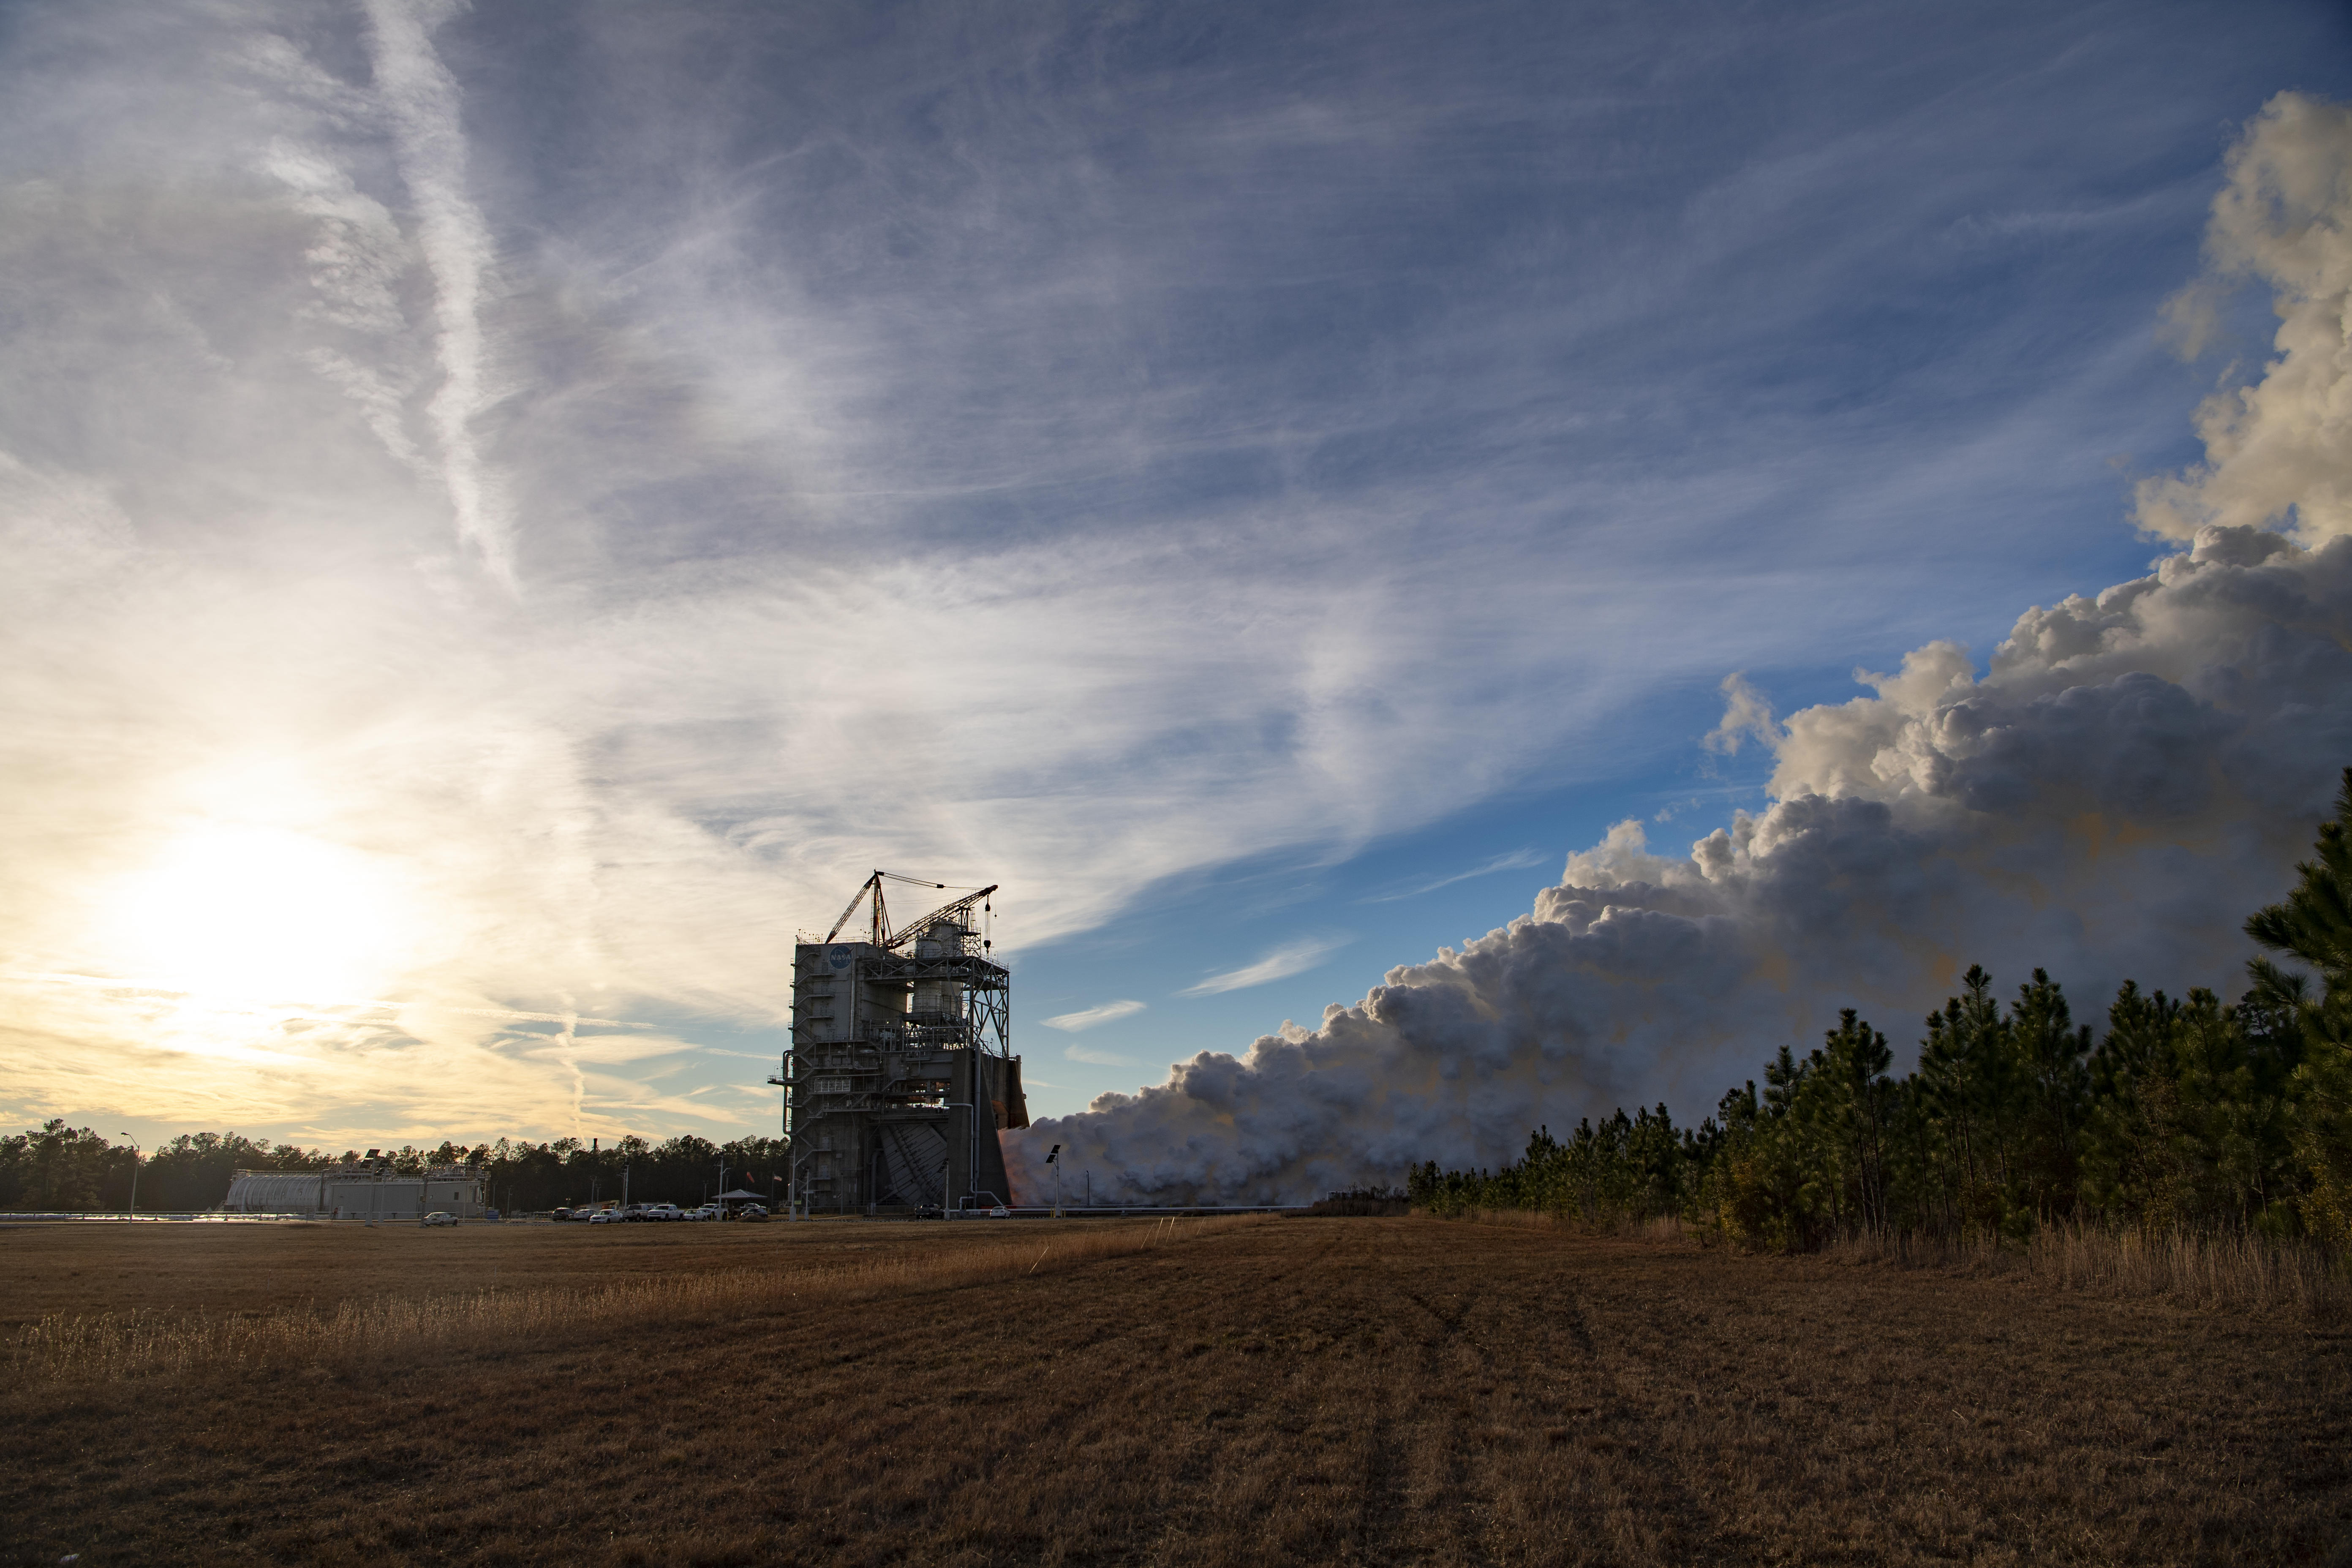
x=1278 y=1391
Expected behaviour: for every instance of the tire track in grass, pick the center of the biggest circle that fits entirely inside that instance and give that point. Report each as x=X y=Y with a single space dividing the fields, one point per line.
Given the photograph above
x=1456 y=1439
x=1385 y=1506
x=1259 y=1341
x=1598 y=1439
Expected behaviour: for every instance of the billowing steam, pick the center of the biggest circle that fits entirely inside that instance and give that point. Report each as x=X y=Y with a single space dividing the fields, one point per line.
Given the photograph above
x=2131 y=776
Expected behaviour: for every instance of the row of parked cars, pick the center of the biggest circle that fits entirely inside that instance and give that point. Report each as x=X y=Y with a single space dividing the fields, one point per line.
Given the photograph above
x=658 y=1214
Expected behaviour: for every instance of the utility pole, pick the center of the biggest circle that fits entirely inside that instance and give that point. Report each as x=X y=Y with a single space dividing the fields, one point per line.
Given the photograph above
x=134 y=1176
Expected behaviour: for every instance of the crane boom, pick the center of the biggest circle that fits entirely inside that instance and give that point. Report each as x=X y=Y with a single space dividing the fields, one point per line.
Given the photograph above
x=945 y=911
x=873 y=885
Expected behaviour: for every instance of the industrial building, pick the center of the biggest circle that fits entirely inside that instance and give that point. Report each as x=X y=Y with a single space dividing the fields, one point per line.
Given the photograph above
x=900 y=1074
x=359 y=1189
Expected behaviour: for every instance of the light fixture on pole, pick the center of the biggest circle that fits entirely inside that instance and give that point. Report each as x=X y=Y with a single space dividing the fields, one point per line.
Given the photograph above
x=1054 y=1158
x=134 y=1176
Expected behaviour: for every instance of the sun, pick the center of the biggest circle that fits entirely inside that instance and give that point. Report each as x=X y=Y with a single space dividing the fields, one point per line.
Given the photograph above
x=260 y=912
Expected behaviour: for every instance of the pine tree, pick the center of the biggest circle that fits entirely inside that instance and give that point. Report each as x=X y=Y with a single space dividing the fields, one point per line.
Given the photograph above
x=1966 y=1085
x=2313 y=926
x=2049 y=1071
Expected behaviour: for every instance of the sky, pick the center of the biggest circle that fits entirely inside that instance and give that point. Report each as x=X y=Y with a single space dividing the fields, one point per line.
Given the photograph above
x=512 y=512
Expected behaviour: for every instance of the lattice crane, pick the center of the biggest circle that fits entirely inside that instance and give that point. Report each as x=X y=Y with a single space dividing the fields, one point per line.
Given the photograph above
x=871 y=889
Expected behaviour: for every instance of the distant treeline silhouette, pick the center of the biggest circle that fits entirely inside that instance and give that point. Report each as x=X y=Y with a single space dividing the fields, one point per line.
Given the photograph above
x=72 y=1169
x=2187 y=1113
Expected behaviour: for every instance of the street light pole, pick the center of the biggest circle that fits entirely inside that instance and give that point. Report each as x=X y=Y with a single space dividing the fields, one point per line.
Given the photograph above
x=134 y=1176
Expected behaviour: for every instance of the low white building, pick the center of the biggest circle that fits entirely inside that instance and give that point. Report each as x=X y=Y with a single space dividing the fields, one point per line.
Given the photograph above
x=366 y=1189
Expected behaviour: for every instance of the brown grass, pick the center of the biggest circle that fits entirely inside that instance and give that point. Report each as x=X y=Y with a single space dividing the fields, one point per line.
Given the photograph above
x=2214 y=1270
x=2224 y=1272
x=107 y=1346
x=1304 y=1390
x=2221 y=1270
x=1659 y=1227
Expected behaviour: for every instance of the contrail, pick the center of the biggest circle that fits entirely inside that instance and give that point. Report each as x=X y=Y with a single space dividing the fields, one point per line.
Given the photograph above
x=428 y=134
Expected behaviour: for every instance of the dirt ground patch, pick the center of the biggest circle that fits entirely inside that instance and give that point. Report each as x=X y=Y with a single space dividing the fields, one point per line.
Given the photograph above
x=1352 y=1390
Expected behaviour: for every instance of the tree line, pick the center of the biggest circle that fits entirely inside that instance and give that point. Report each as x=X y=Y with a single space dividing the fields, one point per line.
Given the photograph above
x=72 y=1169
x=2180 y=1112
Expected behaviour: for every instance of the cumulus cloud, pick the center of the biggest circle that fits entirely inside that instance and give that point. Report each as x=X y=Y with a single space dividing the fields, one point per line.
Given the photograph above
x=1746 y=715
x=2130 y=777
x=2278 y=451
x=2108 y=798
x=1291 y=958
x=1088 y=1017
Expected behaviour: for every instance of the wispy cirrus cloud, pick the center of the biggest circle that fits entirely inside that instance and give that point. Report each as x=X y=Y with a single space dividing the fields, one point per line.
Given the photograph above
x=1293 y=958
x=789 y=407
x=1513 y=860
x=419 y=98
x=1074 y=1023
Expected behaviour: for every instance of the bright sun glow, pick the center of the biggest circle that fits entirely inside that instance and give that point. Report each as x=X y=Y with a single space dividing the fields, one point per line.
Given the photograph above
x=263 y=913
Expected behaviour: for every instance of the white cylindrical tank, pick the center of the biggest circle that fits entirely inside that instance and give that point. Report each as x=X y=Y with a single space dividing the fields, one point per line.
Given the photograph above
x=275 y=1191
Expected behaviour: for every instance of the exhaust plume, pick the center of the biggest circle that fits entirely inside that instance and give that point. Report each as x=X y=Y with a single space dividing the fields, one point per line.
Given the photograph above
x=2128 y=778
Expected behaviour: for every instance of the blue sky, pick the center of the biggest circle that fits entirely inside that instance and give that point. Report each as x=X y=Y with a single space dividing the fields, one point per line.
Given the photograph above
x=568 y=491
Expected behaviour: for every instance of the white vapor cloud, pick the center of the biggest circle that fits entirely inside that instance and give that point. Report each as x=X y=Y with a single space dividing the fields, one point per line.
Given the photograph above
x=1292 y=958
x=2278 y=451
x=1746 y=715
x=2132 y=774
x=1088 y=1017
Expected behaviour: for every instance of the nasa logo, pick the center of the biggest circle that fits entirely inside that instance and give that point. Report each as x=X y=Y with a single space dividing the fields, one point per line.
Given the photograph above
x=839 y=954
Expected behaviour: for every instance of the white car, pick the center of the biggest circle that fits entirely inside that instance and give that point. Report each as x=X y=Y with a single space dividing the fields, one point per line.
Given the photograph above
x=441 y=1217
x=664 y=1211
x=605 y=1216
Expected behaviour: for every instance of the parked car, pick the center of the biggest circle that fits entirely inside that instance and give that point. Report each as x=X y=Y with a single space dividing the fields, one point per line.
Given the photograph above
x=707 y=1212
x=440 y=1216
x=664 y=1212
x=562 y=1213
x=606 y=1216
x=751 y=1211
